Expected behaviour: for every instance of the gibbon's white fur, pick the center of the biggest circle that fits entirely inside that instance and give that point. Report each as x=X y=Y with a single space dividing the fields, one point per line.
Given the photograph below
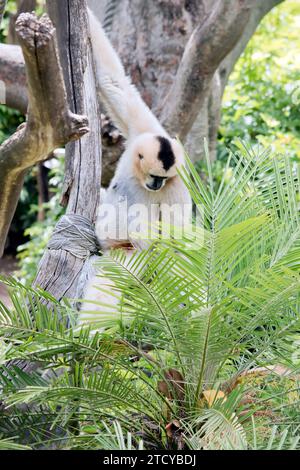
x=147 y=171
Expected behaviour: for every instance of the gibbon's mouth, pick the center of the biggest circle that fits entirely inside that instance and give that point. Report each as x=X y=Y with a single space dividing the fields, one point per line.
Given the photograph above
x=157 y=182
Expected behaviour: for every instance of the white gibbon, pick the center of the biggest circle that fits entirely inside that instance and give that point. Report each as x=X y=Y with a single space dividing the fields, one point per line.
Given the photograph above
x=147 y=172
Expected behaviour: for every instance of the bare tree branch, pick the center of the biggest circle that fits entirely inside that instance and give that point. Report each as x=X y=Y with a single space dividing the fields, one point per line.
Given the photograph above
x=50 y=123
x=13 y=75
x=206 y=48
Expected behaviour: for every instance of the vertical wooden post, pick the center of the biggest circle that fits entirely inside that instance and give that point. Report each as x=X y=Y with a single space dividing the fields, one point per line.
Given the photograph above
x=60 y=270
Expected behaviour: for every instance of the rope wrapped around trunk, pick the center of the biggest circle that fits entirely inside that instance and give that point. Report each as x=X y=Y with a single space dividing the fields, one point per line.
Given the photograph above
x=75 y=234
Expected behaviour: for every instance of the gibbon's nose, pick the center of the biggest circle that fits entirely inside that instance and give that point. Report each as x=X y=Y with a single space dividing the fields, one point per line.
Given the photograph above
x=156 y=183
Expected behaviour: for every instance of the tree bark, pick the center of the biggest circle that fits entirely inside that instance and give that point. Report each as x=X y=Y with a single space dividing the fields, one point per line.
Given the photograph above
x=206 y=48
x=60 y=270
x=50 y=123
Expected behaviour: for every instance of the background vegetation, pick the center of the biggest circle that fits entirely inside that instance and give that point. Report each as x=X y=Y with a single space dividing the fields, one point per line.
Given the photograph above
x=261 y=103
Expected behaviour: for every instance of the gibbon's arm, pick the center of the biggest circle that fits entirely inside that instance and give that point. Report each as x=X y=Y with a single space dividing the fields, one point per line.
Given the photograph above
x=122 y=100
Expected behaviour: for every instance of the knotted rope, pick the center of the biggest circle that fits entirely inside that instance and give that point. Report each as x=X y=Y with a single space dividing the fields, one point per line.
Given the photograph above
x=75 y=234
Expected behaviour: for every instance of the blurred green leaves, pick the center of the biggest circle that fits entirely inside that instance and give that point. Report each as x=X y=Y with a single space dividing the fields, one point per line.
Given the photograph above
x=261 y=102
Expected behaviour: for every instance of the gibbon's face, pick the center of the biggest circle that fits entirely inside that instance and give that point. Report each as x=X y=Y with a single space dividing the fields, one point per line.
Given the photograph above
x=156 y=159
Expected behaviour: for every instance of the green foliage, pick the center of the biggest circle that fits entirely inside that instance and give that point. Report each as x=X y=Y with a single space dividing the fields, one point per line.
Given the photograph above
x=9 y=9
x=9 y=444
x=170 y=365
x=261 y=102
x=9 y=121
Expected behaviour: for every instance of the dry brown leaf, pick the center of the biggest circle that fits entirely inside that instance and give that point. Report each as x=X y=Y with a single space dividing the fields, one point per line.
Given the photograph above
x=212 y=395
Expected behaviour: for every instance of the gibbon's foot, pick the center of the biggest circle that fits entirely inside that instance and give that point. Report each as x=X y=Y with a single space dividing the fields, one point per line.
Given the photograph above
x=125 y=245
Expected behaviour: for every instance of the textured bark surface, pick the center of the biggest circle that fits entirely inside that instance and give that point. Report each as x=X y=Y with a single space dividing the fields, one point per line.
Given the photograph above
x=50 y=123
x=59 y=270
x=208 y=45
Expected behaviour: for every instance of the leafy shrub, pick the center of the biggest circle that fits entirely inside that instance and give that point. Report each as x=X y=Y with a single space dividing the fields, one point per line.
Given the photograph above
x=262 y=98
x=188 y=358
x=9 y=121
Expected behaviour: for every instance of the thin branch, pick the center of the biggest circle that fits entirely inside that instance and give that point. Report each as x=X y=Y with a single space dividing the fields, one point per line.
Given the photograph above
x=50 y=122
x=207 y=47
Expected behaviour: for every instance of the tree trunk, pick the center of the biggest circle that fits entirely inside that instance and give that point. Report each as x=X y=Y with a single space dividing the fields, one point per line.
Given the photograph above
x=61 y=265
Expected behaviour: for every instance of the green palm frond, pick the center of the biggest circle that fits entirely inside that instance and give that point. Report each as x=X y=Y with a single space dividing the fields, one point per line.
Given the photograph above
x=195 y=313
x=219 y=427
x=107 y=437
x=288 y=439
x=9 y=444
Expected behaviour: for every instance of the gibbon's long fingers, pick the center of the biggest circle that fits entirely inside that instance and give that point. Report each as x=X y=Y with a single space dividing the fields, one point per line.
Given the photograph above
x=122 y=100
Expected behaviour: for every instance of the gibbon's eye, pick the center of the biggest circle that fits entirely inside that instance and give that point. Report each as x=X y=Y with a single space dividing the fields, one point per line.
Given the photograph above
x=141 y=156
